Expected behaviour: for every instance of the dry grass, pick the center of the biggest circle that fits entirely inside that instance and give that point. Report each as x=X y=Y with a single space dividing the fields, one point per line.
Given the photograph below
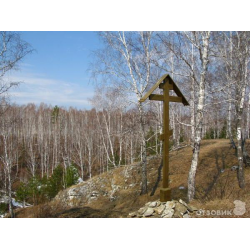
x=216 y=185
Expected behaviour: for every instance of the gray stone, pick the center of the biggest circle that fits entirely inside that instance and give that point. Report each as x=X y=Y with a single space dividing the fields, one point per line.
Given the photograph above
x=192 y=208
x=132 y=214
x=183 y=202
x=186 y=216
x=168 y=213
x=180 y=208
x=153 y=204
x=177 y=214
x=170 y=204
x=159 y=209
x=142 y=210
x=149 y=212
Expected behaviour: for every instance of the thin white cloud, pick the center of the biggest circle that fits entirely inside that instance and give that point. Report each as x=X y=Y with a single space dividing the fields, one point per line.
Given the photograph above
x=50 y=91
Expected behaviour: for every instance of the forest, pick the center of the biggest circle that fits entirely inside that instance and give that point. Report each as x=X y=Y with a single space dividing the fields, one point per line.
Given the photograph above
x=45 y=148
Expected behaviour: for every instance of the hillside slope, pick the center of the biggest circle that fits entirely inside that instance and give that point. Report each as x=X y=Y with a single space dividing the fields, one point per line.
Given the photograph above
x=117 y=192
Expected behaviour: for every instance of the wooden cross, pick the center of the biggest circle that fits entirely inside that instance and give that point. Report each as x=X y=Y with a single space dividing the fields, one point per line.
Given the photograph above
x=166 y=83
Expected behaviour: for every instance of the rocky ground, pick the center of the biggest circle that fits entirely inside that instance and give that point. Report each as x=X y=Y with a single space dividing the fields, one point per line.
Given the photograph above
x=170 y=209
x=117 y=193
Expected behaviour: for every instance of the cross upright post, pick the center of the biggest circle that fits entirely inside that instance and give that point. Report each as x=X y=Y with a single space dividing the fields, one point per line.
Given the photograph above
x=165 y=191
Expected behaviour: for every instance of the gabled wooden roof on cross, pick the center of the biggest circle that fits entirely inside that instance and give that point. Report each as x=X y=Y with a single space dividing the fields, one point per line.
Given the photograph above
x=172 y=86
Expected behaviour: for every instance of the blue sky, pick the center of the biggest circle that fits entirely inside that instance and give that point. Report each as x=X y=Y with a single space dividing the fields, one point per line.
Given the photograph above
x=56 y=72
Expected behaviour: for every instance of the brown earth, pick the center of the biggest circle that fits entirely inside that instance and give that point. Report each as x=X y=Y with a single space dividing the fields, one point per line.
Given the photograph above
x=119 y=189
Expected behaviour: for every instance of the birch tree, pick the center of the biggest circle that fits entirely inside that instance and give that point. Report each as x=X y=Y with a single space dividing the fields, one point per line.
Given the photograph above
x=201 y=41
x=248 y=117
x=9 y=156
x=12 y=50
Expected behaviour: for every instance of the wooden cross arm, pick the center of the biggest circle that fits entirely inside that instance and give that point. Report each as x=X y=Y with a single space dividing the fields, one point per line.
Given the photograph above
x=175 y=99
x=154 y=97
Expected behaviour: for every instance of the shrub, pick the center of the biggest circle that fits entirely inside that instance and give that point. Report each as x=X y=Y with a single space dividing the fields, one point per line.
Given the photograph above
x=71 y=176
x=3 y=208
x=34 y=189
x=41 y=190
x=55 y=182
x=23 y=192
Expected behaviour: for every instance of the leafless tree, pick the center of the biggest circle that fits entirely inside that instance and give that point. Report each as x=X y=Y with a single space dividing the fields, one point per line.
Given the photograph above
x=12 y=50
x=10 y=152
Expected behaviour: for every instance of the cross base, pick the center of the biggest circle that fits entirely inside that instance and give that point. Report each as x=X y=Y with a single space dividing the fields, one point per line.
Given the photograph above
x=165 y=194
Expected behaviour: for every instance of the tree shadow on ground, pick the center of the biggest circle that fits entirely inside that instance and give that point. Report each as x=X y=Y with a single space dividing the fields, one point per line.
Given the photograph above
x=88 y=212
x=158 y=179
x=217 y=182
x=83 y=212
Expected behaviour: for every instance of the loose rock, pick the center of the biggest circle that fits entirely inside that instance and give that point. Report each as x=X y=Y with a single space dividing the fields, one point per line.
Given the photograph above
x=142 y=210
x=177 y=214
x=181 y=208
x=192 y=208
x=168 y=213
x=170 y=209
x=153 y=204
x=132 y=214
x=159 y=209
x=183 y=202
x=170 y=204
x=149 y=212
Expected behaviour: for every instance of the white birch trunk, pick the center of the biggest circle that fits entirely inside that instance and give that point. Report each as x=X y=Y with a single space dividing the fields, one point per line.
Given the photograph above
x=199 y=117
x=248 y=117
